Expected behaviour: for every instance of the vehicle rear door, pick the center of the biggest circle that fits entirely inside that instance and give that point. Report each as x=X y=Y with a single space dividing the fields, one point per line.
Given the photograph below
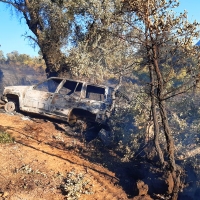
x=95 y=97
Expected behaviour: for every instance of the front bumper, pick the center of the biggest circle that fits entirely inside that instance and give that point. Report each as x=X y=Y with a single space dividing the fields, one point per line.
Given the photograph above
x=4 y=99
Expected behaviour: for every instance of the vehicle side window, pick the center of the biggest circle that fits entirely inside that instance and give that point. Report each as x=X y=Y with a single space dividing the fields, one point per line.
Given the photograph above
x=48 y=86
x=71 y=87
x=95 y=93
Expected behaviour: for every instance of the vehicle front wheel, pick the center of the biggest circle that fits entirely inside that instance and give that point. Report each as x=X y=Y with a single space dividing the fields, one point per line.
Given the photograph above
x=10 y=106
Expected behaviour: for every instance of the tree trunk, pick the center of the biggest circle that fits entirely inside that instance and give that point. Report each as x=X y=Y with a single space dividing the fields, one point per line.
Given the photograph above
x=163 y=113
x=49 y=43
x=155 y=117
x=169 y=138
x=55 y=65
x=152 y=92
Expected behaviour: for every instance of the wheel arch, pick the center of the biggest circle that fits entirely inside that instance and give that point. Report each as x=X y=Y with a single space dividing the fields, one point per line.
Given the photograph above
x=12 y=97
x=78 y=113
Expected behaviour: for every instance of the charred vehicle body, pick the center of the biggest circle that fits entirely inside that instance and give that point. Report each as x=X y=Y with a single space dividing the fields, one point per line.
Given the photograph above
x=61 y=98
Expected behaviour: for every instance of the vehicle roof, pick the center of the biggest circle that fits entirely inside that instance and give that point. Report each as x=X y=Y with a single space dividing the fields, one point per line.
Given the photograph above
x=98 y=85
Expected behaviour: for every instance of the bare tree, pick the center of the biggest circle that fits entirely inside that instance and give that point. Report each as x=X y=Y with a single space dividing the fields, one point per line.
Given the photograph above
x=167 y=42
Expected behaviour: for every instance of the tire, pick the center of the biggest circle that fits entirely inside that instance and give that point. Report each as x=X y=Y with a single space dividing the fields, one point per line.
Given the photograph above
x=10 y=107
x=106 y=136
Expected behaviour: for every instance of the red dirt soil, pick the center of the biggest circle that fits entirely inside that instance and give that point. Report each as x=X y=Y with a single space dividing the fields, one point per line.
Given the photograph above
x=34 y=166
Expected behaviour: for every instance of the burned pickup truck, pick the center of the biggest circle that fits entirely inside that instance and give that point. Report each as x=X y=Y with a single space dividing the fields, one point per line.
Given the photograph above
x=61 y=98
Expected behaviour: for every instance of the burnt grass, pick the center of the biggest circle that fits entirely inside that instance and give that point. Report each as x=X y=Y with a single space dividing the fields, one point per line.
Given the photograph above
x=127 y=173
x=143 y=167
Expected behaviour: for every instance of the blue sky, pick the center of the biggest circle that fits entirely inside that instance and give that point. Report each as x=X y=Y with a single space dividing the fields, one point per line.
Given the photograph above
x=11 y=34
x=12 y=29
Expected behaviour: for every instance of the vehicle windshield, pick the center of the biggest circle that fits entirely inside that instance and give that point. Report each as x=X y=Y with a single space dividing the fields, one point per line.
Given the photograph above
x=49 y=85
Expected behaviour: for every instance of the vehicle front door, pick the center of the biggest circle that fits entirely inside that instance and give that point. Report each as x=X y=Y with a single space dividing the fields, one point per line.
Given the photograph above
x=66 y=98
x=39 y=97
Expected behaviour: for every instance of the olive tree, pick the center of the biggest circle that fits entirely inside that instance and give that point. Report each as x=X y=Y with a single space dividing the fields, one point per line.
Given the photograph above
x=53 y=24
x=103 y=51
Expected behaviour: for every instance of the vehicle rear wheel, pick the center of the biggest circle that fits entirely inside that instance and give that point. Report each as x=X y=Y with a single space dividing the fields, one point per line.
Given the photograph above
x=10 y=106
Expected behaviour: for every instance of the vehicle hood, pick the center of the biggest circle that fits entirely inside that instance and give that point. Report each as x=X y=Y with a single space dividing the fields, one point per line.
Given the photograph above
x=15 y=89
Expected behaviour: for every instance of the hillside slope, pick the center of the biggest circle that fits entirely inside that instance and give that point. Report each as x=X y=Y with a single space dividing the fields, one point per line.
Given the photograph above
x=34 y=166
